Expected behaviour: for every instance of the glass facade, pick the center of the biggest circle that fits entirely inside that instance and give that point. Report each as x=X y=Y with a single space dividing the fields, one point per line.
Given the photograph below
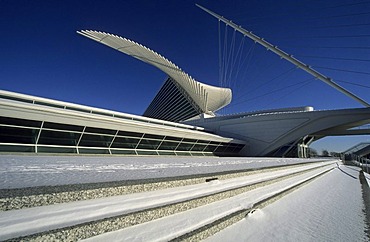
x=21 y=135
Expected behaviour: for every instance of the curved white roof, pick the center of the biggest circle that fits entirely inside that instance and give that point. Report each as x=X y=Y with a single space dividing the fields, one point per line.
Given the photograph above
x=208 y=98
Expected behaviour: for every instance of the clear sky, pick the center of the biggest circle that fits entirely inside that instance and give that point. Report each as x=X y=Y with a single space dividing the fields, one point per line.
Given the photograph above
x=42 y=55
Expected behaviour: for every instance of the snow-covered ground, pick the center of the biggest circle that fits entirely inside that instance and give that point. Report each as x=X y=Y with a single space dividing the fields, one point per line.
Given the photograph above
x=31 y=171
x=38 y=219
x=328 y=209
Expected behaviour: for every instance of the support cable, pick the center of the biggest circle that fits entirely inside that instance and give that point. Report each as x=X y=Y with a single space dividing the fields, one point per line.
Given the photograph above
x=271 y=92
x=268 y=82
x=288 y=57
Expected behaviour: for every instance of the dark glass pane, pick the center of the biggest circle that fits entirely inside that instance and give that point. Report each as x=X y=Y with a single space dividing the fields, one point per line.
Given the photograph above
x=185 y=146
x=196 y=153
x=183 y=153
x=123 y=142
x=190 y=140
x=93 y=151
x=20 y=122
x=63 y=126
x=173 y=138
x=16 y=148
x=167 y=145
x=18 y=135
x=208 y=154
x=100 y=131
x=148 y=144
x=153 y=136
x=146 y=152
x=221 y=148
x=198 y=147
x=44 y=149
x=210 y=148
x=230 y=149
x=130 y=134
x=166 y=153
x=91 y=140
x=49 y=137
x=123 y=152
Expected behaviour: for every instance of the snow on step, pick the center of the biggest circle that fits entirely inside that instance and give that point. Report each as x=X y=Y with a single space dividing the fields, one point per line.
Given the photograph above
x=173 y=226
x=24 y=222
x=328 y=209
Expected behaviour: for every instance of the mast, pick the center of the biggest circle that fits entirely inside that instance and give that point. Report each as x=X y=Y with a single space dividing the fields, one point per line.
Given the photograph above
x=287 y=57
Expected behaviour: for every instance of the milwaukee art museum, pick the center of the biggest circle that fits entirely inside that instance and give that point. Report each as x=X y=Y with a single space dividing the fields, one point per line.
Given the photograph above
x=180 y=120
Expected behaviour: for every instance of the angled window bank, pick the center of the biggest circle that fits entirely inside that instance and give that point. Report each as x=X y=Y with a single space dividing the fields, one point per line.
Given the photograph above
x=36 y=125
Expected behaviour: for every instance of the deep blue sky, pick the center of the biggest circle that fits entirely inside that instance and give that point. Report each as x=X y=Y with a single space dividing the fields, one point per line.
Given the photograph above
x=42 y=55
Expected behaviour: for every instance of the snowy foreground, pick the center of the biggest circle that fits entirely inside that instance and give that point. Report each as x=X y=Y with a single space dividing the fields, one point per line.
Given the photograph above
x=31 y=171
x=329 y=208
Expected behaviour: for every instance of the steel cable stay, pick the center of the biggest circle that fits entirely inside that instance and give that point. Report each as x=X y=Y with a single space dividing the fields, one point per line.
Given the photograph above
x=245 y=65
x=273 y=91
x=287 y=57
x=238 y=59
x=256 y=76
x=334 y=58
x=304 y=83
x=352 y=48
x=342 y=70
x=293 y=14
x=229 y=59
x=354 y=84
x=231 y=77
x=281 y=75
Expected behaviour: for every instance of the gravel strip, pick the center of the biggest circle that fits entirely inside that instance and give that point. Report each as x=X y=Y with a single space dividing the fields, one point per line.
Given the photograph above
x=215 y=227
x=11 y=199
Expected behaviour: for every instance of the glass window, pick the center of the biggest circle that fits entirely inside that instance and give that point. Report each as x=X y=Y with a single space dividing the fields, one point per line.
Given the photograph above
x=91 y=140
x=45 y=149
x=173 y=138
x=130 y=134
x=146 y=152
x=153 y=136
x=198 y=147
x=123 y=152
x=166 y=152
x=49 y=137
x=210 y=148
x=220 y=149
x=18 y=135
x=20 y=122
x=16 y=148
x=183 y=153
x=185 y=146
x=190 y=140
x=100 y=131
x=208 y=154
x=68 y=127
x=124 y=142
x=93 y=151
x=168 y=145
x=148 y=144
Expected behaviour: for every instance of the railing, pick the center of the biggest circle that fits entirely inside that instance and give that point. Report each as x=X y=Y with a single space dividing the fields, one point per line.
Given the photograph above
x=359 y=161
